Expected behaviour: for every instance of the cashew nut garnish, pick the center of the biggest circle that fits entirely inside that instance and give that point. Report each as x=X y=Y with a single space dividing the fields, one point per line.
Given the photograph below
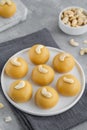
x=3 y=2
x=63 y=56
x=20 y=85
x=68 y=80
x=38 y=49
x=46 y=93
x=73 y=42
x=42 y=69
x=83 y=51
x=14 y=61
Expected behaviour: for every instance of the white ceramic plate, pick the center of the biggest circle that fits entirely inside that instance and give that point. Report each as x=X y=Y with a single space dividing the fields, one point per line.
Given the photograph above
x=64 y=103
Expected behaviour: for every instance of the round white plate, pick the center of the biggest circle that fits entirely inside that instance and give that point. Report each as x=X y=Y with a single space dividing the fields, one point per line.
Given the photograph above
x=30 y=107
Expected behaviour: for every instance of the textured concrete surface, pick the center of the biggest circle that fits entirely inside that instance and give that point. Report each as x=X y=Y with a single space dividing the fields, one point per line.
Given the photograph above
x=44 y=13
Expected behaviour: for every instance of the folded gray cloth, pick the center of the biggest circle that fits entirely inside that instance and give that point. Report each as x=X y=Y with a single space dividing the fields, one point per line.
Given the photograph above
x=64 y=121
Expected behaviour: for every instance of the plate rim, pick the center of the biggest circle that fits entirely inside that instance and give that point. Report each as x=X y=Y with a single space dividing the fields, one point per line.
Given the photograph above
x=52 y=112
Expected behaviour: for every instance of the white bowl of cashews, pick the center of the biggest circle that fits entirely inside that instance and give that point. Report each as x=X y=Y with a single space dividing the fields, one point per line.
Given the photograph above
x=73 y=20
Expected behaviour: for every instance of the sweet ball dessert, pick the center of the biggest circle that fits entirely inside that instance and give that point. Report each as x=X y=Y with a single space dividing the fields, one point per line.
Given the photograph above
x=68 y=85
x=7 y=8
x=20 y=91
x=63 y=62
x=39 y=54
x=46 y=97
x=16 y=67
x=42 y=74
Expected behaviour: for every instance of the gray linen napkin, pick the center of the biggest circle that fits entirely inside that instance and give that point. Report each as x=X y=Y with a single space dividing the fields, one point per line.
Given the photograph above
x=64 y=121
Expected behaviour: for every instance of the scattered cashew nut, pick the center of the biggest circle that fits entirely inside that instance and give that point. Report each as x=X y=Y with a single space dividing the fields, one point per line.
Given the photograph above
x=8 y=119
x=1 y=105
x=73 y=43
x=83 y=51
x=85 y=41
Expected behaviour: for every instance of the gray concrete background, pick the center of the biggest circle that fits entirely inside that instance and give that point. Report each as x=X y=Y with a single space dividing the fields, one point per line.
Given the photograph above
x=44 y=13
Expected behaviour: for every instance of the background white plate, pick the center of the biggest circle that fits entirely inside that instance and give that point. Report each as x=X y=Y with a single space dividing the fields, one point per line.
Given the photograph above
x=64 y=103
